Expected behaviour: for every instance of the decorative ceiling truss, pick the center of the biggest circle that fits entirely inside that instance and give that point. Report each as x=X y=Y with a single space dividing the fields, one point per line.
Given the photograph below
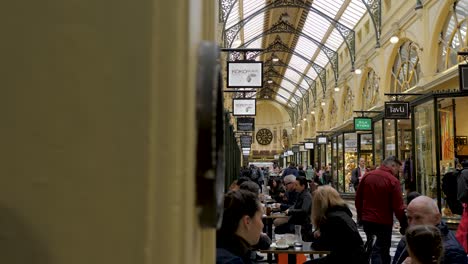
x=269 y=62
x=242 y=54
x=279 y=46
x=286 y=27
x=374 y=8
x=348 y=34
x=270 y=72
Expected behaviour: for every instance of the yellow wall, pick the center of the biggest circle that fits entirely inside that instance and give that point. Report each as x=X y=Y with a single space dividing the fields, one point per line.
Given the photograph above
x=97 y=139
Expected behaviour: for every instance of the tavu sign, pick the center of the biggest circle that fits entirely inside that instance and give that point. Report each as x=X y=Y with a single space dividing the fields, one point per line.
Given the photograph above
x=397 y=110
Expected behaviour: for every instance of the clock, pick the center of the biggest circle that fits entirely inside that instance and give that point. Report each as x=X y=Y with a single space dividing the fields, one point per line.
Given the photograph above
x=264 y=136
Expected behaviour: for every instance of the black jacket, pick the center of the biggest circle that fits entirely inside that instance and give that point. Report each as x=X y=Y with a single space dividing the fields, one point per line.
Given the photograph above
x=340 y=235
x=453 y=251
x=299 y=214
x=232 y=250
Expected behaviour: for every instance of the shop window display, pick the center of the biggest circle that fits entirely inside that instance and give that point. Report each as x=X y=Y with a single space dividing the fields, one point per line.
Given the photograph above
x=350 y=158
x=339 y=164
x=425 y=159
x=390 y=142
x=378 y=150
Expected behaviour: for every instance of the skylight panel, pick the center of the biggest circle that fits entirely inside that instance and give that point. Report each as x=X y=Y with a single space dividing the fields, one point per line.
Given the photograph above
x=254 y=26
x=329 y=8
x=280 y=100
x=312 y=73
x=353 y=13
x=321 y=59
x=304 y=84
x=287 y=85
x=233 y=17
x=298 y=63
x=316 y=26
x=284 y=94
x=335 y=40
x=305 y=47
x=298 y=93
x=257 y=44
x=292 y=75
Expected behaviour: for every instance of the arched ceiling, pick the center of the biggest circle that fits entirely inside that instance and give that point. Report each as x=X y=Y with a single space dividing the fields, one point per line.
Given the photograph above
x=298 y=38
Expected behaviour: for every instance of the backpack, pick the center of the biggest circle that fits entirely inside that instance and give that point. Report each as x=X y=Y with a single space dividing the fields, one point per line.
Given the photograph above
x=462 y=185
x=254 y=174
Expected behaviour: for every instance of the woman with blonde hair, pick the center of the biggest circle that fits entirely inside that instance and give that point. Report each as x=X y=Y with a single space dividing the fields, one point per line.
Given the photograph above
x=335 y=229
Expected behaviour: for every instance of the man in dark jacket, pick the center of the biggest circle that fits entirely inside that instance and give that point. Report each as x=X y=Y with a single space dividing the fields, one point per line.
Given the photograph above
x=377 y=199
x=358 y=173
x=299 y=213
x=424 y=211
x=291 y=170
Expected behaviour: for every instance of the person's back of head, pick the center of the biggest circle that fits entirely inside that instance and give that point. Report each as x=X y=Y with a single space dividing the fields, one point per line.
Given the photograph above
x=302 y=181
x=423 y=210
x=324 y=198
x=242 y=180
x=425 y=245
x=250 y=186
x=300 y=167
x=464 y=164
x=237 y=204
x=292 y=164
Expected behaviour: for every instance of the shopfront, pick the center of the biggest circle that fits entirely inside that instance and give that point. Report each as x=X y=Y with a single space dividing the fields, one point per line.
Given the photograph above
x=440 y=135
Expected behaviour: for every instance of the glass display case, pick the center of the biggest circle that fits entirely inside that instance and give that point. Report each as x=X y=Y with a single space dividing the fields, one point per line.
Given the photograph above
x=390 y=139
x=339 y=164
x=425 y=157
x=378 y=149
x=350 y=158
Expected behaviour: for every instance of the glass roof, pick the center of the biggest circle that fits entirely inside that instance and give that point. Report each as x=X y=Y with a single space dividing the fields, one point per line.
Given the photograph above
x=317 y=25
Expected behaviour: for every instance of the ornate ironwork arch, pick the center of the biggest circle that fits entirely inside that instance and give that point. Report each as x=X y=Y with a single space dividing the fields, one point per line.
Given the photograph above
x=347 y=33
x=286 y=27
x=374 y=8
x=279 y=46
x=271 y=72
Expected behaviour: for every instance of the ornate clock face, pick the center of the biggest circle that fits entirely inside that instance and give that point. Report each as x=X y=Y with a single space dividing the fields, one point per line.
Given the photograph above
x=264 y=136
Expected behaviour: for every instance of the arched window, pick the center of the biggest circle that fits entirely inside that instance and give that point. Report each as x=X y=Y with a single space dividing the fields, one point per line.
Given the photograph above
x=406 y=68
x=453 y=37
x=348 y=102
x=370 y=92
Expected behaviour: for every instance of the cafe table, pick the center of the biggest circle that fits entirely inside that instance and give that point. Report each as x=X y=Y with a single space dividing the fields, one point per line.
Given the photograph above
x=268 y=219
x=292 y=252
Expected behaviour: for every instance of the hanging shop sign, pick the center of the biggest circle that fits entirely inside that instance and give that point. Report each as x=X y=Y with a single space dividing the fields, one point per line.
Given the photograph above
x=245 y=74
x=322 y=140
x=246 y=141
x=463 y=76
x=397 y=110
x=363 y=124
x=243 y=107
x=309 y=145
x=245 y=124
x=295 y=149
x=302 y=148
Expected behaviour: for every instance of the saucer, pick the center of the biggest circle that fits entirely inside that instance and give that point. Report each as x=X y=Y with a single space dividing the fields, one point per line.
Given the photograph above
x=285 y=246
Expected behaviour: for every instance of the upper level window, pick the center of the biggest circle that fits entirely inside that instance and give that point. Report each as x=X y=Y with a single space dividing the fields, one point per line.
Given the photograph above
x=453 y=37
x=370 y=93
x=406 y=68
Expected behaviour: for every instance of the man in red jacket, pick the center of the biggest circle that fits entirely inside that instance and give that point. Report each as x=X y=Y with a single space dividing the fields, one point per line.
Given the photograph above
x=377 y=198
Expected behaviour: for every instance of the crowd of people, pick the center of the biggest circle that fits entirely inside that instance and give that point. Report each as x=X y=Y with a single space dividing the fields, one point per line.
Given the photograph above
x=309 y=200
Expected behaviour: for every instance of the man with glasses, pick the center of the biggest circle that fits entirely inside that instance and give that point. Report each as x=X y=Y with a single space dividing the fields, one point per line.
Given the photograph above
x=289 y=197
x=377 y=199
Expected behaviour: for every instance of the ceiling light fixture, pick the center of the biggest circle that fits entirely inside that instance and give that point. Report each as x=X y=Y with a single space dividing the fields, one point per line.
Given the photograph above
x=305 y=119
x=337 y=89
x=236 y=43
x=312 y=112
x=323 y=103
x=293 y=128
x=298 y=124
x=270 y=81
x=274 y=58
x=285 y=17
x=394 y=39
x=358 y=71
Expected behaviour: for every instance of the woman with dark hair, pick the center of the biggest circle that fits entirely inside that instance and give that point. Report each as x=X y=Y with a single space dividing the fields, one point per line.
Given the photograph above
x=240 y=229
x=424 y=244
x=335 y=229
x=276 y=188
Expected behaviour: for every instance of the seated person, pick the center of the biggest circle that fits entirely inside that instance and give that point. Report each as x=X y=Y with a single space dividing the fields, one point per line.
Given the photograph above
x=299 y=213
x=424 y=244
x=241 y=227
x=276 y=189
x=422 y=210
x=290 y=196
x=335 y=229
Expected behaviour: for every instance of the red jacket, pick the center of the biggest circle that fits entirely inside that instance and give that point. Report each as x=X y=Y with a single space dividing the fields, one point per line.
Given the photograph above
x=379 y=196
